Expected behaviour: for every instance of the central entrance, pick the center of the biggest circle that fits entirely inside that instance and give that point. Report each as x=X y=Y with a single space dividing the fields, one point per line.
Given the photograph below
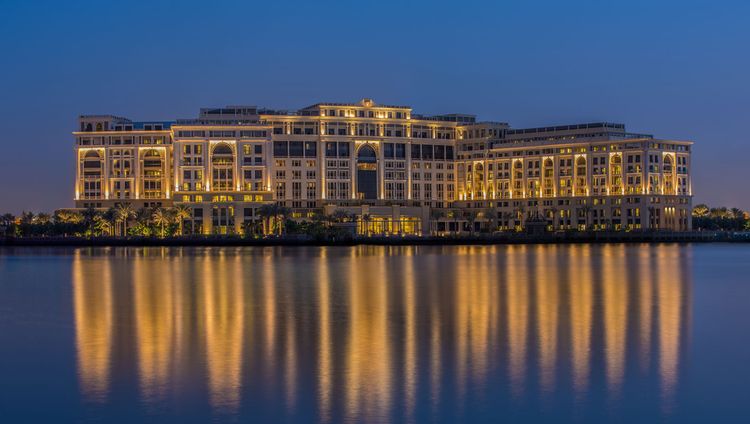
x=367 y=173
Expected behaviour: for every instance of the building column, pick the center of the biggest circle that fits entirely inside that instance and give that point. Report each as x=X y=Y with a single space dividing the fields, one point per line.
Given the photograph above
x=105 y=173
x=79 y=185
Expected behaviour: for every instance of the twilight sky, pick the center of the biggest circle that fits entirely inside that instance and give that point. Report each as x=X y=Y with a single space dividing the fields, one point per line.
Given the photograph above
x=676 y=69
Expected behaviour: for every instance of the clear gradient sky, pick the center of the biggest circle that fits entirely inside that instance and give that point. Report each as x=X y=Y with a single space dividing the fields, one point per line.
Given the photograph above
x=676 y=69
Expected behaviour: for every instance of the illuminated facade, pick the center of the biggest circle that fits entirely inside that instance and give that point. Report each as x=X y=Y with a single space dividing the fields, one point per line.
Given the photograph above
x=398 y=172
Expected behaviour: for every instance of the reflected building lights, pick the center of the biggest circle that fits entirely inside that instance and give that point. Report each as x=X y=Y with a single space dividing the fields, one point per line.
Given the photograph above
x=669 y=292
x=645 y=308
x=392 y=328
x=155 y=327
x=547 y=310
x=615 y=298
x=581 y=313
x=325 y=355
x=223 y=324
x=410 y=336
x=93 y=309
x=517 y=289
x=368 y=357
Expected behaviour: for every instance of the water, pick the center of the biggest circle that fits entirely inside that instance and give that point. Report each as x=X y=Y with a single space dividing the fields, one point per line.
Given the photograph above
x=579 y=334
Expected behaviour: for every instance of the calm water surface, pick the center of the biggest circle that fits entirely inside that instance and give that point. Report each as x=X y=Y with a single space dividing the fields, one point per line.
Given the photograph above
x=579 y=334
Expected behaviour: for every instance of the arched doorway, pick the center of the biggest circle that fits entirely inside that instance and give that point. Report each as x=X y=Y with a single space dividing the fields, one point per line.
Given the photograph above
x=367 y=173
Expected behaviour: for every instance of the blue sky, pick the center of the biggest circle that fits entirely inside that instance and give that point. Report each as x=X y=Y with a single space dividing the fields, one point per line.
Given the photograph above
x=677 y=69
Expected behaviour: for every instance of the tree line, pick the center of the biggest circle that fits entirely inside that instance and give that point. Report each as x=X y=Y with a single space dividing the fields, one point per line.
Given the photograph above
x=124 y=220
x=121 y=220
x=720 y=219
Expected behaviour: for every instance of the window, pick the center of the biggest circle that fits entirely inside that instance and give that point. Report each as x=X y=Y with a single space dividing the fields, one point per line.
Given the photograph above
x=311 y=149
x=280 y=148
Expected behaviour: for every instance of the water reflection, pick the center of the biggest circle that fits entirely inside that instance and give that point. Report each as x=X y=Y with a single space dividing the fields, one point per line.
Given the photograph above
x=92 y=298
x=374 y=334
x=221 y=302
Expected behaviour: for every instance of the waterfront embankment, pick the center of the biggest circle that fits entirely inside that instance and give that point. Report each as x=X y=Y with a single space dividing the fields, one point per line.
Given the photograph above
x=297 y=240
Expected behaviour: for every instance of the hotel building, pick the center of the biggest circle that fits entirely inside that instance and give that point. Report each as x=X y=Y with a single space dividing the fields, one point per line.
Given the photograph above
x=396 y=171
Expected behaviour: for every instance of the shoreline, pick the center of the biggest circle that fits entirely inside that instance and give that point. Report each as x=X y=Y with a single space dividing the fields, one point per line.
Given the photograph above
x=593 y=238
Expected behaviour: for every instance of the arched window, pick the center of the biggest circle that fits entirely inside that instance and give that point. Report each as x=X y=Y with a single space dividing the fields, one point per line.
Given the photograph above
x=223 y=172
x=222 y=149
x=367 y=174
x=366 y=154
x=222 y=155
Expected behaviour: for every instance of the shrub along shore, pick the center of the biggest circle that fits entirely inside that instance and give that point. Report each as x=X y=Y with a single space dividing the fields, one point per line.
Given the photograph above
x=124 y=226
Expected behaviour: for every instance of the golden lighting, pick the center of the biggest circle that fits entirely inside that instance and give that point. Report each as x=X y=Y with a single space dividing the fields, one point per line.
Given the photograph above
x=223 y=322
x=615 y=298
x=379 y=327
x=581 y=303
x=155 y=310
x=547 y=298
x=368 y=384
x=92 y=304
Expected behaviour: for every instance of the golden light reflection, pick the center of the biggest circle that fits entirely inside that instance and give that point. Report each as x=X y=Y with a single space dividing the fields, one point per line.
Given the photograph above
x=581 y=313
x=381 y=327
x=410 y=336
x=436 y=358
x=154 y=307
x=368 y=386
x=325 y=355
x=645 y=307
x=269 y=309
x=518 y=316
x=547 y=309
x=615 y=297
x=223 y=318
x=669 y=293
x=92 y=305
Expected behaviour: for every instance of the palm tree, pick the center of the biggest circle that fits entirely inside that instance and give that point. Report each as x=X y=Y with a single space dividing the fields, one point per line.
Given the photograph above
x=453 y=215
x=65 y=217
x=366 y=218
x=329 y=219
x=341 y=215
x=181 y=213
x=738 y=218
x=471 y=216
x=142 y=220
x=27 y=218
x=435 y=216
x=124 y=212
x=110 y=215
x=519 y=215
x=266 y=212
x=719 y=212
x=43 y=218
x=701 y=211
x=651 y=213
x=89 y=217
x=491 y=215
x=104 y=223
x=586 y=209
x=282 y=212
x=554 y=211
x=507 y=216
x=161 y=218
x=7 y=220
